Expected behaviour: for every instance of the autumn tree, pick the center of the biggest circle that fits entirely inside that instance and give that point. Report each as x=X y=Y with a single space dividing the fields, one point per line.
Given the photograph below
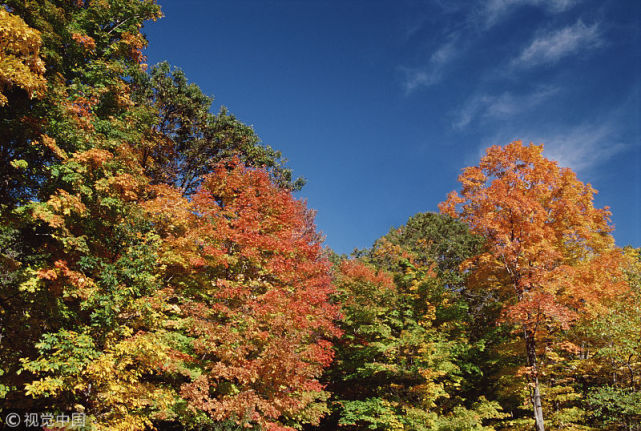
x=590 y=372
x=68 y=213
x=157 y=272
x=249 y=285
x=185 y=139
x=21 y=65
x=21 y=79
x=78 y=252
x=549 y=254
x=608 y=357
x=403 y=358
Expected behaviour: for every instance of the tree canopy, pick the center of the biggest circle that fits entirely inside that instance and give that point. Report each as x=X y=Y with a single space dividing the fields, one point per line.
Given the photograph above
x=157 y=271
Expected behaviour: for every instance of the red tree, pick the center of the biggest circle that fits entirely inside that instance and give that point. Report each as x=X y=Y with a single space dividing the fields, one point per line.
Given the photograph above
x=251 y=287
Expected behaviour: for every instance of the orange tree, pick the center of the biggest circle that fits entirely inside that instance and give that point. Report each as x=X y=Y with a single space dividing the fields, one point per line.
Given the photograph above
x=246 y=301
x=549 y=255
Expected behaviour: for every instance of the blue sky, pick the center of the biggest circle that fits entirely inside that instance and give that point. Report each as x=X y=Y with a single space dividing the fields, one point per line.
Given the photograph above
x=380 y=104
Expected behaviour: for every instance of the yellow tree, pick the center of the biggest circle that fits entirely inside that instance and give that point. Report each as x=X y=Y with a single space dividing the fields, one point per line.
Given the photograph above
x=549 y=253
x=20 y=63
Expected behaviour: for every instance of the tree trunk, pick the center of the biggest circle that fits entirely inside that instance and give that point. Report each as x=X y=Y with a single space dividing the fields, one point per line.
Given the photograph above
x=535 y=394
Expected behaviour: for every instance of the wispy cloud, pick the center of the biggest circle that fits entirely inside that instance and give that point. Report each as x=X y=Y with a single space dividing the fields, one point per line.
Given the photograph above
x=581 y=147
x=500 y=106
x=466 y=24
x=495 y=10
x=432 y=73
x=552 y=46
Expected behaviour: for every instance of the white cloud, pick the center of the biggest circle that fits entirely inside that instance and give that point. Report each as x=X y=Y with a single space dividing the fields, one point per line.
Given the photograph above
x=444 y=54
x=416 y=78
x=580 y=148
x=495 y=10
x=583 y=147
x=492 y=11
x=500 y=106
x=554 y=45
x=432 y=73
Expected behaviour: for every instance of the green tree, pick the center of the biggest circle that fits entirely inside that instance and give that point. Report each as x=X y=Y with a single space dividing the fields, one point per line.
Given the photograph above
x=186 y=139
x=403 y=359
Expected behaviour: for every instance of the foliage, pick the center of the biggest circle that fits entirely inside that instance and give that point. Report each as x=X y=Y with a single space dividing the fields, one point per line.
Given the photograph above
x=20 y=65
x=249 y=296
x=402 y=360
x=549 y=256
x=615 y=407
x=156 y=271
x=84 y=306
x=186 y=137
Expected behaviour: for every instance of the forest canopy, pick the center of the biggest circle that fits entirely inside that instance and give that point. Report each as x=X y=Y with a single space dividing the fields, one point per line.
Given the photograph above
x=157 y=271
